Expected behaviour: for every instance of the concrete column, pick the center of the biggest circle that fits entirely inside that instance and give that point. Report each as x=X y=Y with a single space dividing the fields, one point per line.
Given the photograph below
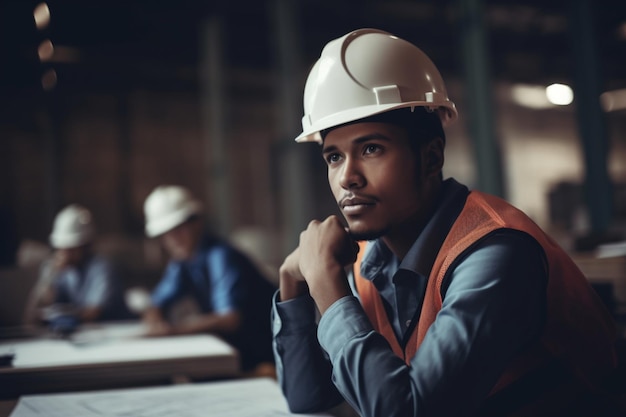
x=214 y=107
x=590 y=117
x=297 y=193
x=478 y=98
x=49 y=120
x=128 y=224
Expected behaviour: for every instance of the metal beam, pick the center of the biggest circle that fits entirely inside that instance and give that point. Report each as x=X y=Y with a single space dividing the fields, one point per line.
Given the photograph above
x=295 y=172
x=479 y=106
x=214 y=104
x=590 y=117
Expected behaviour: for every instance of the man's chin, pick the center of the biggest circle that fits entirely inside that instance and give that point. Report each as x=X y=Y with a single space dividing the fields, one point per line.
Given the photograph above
x=180 y=255
x=360 y=234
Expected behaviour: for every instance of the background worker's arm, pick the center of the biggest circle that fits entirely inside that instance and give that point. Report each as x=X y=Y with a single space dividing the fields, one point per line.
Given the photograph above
x=89 y=314
x=228 y=286
x=225 y=323
x=99 y=290
x=168 y=290
x=220 y=323
x=155 y=322
x=43 y=293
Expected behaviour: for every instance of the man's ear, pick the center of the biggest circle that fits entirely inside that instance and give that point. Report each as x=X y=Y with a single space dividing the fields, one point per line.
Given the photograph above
x=433 y=155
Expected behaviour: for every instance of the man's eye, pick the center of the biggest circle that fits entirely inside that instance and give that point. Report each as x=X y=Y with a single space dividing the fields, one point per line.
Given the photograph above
x=333 y=157
x=371 y=149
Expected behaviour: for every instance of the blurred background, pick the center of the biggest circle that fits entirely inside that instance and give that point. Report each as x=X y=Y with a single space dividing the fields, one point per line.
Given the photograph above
x=101 y=101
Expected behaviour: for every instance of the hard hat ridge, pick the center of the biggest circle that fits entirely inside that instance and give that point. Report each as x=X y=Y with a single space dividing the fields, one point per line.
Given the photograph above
x=366 y=72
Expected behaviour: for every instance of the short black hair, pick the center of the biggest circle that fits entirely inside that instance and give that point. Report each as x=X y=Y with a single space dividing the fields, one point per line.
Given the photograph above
x=421 y=124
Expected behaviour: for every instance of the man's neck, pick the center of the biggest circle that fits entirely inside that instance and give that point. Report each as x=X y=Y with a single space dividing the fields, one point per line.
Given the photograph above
x=401 y=238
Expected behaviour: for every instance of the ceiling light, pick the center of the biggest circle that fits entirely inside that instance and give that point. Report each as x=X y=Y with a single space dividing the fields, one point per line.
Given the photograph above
x=532 y=96
x=613 y=100
x=621 y=31
x=42 y=16
x=49 y=79
x=45 y=50
x=560 y=94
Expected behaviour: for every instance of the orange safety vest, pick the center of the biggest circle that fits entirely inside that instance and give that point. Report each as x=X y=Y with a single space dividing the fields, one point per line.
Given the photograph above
x=579 y=331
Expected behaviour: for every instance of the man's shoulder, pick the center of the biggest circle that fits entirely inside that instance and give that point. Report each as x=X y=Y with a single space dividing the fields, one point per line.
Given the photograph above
x=101 y=265
x=216 y=247
x=100 y=260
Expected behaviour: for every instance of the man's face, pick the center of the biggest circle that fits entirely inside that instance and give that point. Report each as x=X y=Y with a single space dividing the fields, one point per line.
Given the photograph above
x=180 y=242
x=70 y=256
x=375 y=177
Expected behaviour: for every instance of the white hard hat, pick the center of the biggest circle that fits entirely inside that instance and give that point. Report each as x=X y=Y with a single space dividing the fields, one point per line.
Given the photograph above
x=366 y=72
x=168 y=206
x=73 y=227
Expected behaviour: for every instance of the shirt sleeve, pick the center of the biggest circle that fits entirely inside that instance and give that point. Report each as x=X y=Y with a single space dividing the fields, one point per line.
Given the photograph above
x=304 y=371
x=101 y=284
x=228 y=281
x=170 y=286
x=493 y=307
x=47 y=280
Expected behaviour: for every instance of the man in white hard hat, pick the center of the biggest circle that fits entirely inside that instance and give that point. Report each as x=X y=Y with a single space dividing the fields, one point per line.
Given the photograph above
x=232 y=296
x=76 y=285
x=435 y=300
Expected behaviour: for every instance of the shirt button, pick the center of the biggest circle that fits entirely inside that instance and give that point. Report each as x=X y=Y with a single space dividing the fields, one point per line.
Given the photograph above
x=408 y=323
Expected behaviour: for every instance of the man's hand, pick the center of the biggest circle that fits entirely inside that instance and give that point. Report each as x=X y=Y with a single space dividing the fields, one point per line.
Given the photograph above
x=60 y=260
x=155 y=323
x=159 y=329
x=292 y=283
x=325 y=250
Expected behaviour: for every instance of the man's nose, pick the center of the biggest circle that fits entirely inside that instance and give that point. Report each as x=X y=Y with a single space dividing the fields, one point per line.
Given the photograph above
x=351 y=175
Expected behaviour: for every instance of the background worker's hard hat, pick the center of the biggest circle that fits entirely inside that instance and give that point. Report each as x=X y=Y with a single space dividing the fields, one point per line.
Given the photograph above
x=73 y=227
x=366 y=72
x=168 y=206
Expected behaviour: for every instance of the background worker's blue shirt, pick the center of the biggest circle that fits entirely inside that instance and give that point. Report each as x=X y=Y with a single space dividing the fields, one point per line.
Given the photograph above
x=494 y=305
x=213 y=276
x=222 y=279
x=94 y=284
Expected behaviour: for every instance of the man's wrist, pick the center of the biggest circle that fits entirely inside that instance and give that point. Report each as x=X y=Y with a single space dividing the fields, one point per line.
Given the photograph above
x=330 y=288
x=289 y=287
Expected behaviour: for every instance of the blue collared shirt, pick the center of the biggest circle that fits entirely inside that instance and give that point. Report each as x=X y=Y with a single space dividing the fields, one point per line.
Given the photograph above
x=222 y=279
x=93 y=285
x=214 y=276
x=494 y=305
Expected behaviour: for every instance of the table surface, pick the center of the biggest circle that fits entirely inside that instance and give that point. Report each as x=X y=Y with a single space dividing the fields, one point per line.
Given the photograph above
x=263 y=398
x=110 y=355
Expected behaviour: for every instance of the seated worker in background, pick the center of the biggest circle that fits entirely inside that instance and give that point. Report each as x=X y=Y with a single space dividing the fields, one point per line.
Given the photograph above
x=75 y=285
x=233 y=297
x=457 y=303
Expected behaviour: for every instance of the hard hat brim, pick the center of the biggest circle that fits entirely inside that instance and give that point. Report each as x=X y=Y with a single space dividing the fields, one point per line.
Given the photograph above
x=70 y=240
x=447 y=112
x=164 y=224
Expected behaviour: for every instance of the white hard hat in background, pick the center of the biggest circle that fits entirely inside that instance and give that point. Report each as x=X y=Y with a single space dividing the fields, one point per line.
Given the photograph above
x=168 y=206
x=73 y=227
x=366 y=72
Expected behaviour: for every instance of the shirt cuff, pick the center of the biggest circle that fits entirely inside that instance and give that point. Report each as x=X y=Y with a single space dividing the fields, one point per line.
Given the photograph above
x=343 y=321
x=295 y=314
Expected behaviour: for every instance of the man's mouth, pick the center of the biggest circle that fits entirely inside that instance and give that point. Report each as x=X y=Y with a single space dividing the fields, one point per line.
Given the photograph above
x=356 y=205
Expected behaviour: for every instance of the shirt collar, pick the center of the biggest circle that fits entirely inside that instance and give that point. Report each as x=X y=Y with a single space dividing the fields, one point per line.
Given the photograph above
x=421 y=256
x=198 y=257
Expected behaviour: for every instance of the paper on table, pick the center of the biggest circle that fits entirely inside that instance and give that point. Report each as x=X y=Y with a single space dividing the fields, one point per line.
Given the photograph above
x=37 y=353
x=110 y=331
x=260 y=397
